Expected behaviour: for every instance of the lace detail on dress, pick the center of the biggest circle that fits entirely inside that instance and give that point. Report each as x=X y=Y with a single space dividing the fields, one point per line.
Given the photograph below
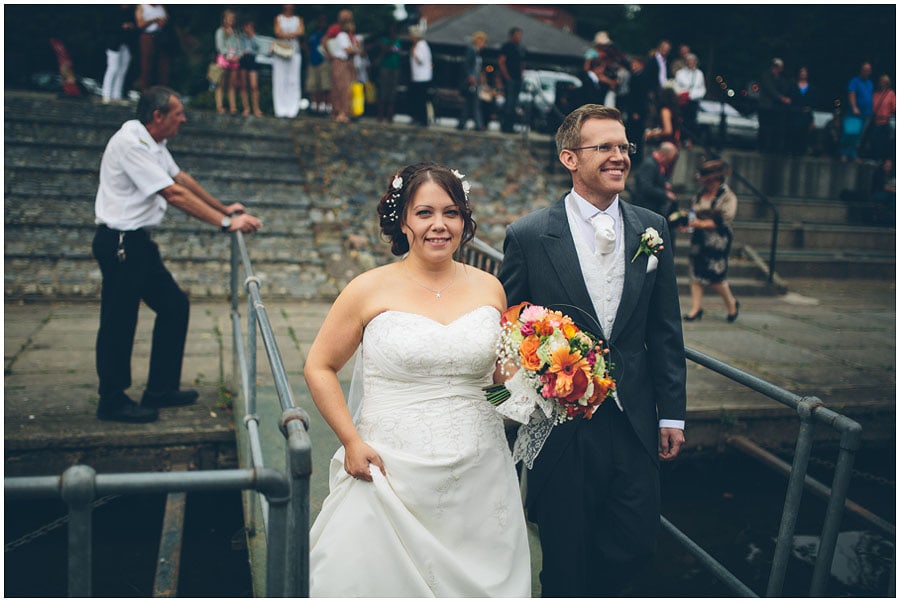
x=413 y=366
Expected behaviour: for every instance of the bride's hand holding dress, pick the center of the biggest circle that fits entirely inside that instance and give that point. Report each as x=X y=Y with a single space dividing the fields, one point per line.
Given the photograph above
x=358 y=457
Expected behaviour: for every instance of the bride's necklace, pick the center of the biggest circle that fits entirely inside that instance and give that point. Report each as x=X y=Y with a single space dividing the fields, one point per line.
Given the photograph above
x=437 y=292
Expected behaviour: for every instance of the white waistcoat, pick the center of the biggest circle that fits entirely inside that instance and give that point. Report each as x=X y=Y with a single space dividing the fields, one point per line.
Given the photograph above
x=604 y=277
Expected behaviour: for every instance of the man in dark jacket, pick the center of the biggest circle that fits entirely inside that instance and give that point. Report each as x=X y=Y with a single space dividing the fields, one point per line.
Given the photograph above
x=652 y=188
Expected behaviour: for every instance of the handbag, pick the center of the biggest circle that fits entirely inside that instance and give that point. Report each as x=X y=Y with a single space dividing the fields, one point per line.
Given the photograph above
x=371 y=93
x=283 y=49
x=853 y=125
x=214 y=73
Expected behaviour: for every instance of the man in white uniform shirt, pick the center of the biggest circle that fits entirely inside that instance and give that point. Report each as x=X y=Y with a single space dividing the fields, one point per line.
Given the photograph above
x=138 y=179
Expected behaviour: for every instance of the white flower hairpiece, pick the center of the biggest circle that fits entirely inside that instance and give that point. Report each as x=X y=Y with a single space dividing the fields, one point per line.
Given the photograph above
x=390 y=204
x=466 y=186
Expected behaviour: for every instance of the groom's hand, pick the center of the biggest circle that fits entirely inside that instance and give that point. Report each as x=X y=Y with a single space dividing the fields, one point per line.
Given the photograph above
x=670 y=442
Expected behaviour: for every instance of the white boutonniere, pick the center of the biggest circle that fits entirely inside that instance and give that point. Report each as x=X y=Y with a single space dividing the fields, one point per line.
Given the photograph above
x=651 y=243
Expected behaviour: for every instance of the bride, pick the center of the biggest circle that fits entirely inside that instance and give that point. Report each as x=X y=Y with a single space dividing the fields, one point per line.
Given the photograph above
x=423 y=500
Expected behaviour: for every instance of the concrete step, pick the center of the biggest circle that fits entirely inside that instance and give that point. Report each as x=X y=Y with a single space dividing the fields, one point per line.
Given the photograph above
x=78 y=210
x=195 y=160
x=184 y=237
x=816 y=236
x=740 y=287
x=791 y=210
x=835 y=264
x=227 y=186
x=778 y=176
x=78 y=278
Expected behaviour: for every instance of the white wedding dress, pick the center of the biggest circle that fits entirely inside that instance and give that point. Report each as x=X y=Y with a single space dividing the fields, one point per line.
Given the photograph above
x=447 y=520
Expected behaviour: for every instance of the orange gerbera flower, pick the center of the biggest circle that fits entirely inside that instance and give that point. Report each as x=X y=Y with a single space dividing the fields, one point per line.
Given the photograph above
x=565 y=364
x=528 y=353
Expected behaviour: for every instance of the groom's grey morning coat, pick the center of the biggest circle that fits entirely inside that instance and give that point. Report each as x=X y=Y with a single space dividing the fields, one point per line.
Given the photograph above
x=541 y=265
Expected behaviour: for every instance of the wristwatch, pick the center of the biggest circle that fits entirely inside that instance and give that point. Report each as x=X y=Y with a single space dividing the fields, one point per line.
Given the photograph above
x=226 y=223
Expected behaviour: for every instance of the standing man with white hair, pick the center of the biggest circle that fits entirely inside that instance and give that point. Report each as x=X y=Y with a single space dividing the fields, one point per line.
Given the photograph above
x=690 y=85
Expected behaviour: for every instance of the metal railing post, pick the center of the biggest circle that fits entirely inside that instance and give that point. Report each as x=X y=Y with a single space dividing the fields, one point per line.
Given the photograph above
x=251 y=355
x=235 y=266
x=299 y=462
x=78 y=491
x=850 y=441
x=792 y=499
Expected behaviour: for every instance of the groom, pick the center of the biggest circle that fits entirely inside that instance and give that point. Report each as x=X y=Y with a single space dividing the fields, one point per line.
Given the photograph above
x=594 y=489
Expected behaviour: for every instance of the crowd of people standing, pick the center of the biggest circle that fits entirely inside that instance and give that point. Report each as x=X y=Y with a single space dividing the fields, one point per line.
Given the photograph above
x=316 y=68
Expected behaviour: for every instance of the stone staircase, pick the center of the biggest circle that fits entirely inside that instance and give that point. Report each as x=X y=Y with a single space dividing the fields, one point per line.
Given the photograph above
x=314 y=184
x=819 y=235
x=52 y=155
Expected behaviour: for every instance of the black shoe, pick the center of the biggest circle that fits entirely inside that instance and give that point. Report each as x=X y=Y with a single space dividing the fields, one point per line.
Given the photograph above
x=169 y=399
x=696 y=317
x=121 y=408
x=737 y=309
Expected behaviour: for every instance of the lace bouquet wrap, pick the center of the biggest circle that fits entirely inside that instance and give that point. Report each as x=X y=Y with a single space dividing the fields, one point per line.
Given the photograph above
x=562 y=373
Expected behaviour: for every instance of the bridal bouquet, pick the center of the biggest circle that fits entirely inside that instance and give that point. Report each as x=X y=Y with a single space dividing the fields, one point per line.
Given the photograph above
x=562 y=370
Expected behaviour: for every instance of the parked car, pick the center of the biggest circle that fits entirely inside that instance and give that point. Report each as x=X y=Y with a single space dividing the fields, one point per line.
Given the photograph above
x=740 y=130
x=542 y=105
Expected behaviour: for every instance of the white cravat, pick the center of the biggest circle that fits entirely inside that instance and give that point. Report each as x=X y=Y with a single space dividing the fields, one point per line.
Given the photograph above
x=604 y=233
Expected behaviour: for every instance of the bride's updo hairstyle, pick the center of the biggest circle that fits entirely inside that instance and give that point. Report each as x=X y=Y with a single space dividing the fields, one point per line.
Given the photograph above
x=403 y=186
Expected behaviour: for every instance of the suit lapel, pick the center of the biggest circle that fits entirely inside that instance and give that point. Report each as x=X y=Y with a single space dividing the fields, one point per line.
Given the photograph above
x=635 y=271
x=560 y=249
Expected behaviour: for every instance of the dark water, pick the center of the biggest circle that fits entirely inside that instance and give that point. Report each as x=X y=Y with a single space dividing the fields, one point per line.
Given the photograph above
x=126 y=544
x=728 y=503
x=731 y=505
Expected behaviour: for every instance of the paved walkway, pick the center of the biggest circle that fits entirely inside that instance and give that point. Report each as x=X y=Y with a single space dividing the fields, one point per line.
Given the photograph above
x=831 y=339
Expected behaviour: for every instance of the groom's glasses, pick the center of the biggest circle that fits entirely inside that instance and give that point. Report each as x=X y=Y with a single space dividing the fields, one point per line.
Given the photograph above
x=609 y=149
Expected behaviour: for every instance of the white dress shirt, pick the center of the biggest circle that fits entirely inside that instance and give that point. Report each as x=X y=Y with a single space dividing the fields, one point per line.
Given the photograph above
x=420 y=65
x=133 y=171
x=580 y=214
x=690 y=81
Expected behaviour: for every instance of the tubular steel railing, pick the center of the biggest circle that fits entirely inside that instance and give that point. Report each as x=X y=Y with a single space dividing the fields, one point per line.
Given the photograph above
x=811 y=413
x=294 y=423
x=79 y=486
x=284 y=498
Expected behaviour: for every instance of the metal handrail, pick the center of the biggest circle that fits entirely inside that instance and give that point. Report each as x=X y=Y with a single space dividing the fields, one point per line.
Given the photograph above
x=80 y=485
x=294 y=423
x=810 y=411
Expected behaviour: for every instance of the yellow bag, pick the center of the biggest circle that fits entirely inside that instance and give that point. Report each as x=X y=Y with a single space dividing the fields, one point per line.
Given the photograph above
x=371 y=93
x=357 y=99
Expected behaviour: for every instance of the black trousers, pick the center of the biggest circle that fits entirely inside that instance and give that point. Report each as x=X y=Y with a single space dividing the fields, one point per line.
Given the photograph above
x=141 y=276
x=418 y=102
x=598 y=515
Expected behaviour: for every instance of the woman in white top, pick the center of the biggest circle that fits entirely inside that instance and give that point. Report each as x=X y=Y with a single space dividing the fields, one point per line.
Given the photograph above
x=421 y=72
x=286 y=71
x=152 y=21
